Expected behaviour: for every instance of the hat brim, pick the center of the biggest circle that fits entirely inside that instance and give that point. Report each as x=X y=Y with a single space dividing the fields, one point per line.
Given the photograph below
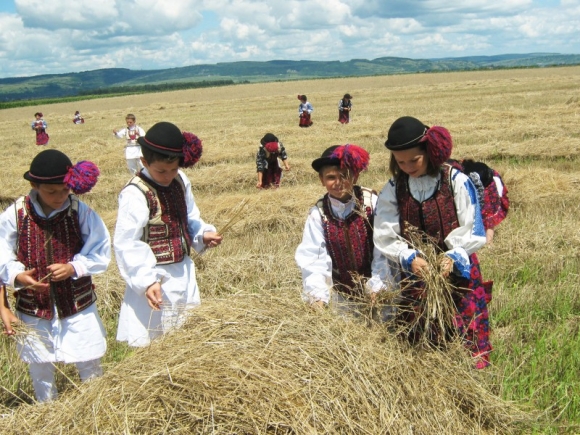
x=33 y=179
x=403 y=147
x=321 y=162
x=142 y=141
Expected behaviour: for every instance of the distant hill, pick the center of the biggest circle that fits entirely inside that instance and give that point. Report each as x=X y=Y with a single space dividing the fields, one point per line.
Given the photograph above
x=124 y=80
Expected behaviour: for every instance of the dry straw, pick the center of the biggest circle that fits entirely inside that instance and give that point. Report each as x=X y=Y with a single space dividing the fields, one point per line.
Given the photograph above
x=268 y=364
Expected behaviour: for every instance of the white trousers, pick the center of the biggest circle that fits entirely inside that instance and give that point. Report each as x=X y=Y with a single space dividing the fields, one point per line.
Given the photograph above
x=42 y=375
x=134 y=165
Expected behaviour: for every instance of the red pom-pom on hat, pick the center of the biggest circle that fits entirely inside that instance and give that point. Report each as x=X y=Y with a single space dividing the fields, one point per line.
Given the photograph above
x=353 y=157
x=272 y=147
x=439 y=144
x=192 y=149
x=82 y=177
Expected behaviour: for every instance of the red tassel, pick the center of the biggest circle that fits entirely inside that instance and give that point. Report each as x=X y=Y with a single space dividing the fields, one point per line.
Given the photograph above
x=353 y=157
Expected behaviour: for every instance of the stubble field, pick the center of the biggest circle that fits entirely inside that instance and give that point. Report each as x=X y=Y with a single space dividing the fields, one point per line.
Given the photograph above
x=523 y=123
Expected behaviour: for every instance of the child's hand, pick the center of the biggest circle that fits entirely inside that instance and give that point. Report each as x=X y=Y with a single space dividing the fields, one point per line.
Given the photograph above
x=211 y=239
x=489 y=236
x=317 y=305
x=8 y=318
x=26 y=279
x=60 y=272
x=419 y=265
x=259 y=184
x=287 y=167
x=446 y=266
x=153 y=295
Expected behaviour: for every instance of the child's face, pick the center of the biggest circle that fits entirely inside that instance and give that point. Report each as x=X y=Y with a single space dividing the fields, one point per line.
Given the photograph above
x=130 y=122
x=51 y=196
x=412 y=161
x=338 y=182
x=37 y=116
x=162 y=173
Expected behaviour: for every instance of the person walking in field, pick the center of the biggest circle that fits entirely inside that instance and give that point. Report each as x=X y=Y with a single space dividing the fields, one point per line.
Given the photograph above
x=440 y=201
x=78 y=119
x=339 y=263
x=267 y=164
x=131 y=134
x=157 y=225
x=51 y=243
x=305 y=110
x=344 y=108
x=39 y=125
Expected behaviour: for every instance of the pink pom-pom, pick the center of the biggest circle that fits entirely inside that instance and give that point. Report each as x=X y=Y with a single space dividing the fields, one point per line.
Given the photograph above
x=439 y=144
x=352 y=157
x=82 y=177
x=272 y=147
x=192 y=149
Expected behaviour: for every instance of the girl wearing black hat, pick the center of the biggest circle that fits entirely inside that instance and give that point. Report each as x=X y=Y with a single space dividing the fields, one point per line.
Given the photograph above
x=39 y=126
x=268 y=167
x=157 y=225
x=344 y=108
x=337 y=258
x=427 y=193
x=51 y=244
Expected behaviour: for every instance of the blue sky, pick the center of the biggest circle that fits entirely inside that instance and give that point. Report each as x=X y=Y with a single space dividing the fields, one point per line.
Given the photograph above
x=58 y=36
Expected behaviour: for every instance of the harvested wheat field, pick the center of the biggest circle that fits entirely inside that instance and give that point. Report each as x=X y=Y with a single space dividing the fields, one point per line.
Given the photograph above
x=253 y=358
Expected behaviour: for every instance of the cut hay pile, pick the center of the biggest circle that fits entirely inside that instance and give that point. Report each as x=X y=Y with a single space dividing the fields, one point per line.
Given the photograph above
x=268 y=364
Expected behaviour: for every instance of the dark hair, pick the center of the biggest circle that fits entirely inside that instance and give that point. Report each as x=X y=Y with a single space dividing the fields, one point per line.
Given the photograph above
x=151 y=156
x=396 y=171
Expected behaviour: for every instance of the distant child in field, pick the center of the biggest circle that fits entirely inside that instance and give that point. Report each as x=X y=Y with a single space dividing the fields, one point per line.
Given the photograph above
x=429 y=194
x=157 y=224
x=131 y=134
x=50 y=245
x=268 y=167
x=491 y=191
x=39 y=125
x=78 y=119
x=339 y=263
x=344 y=108
x=305 y=110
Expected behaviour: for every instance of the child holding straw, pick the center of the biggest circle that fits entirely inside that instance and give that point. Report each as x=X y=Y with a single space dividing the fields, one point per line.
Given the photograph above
x=441 y=202
x=39 y=125
x=50 y=245
x=305 y=110
x=337 y=258
x=157 y=225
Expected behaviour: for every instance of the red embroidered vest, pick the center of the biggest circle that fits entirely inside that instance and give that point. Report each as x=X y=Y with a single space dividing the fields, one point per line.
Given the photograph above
x=349 y=242
x=435 y=216
x=42 y=242
x=166 y=232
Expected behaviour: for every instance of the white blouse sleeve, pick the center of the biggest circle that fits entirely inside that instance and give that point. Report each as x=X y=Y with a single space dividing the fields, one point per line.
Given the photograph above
x=10 y=267
x=95 y=254
x=195 y=224
x=313 y=260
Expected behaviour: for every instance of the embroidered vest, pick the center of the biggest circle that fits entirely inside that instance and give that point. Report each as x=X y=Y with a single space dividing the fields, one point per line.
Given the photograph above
x=42 y=242
x=349 y=242
x=166 y=232
x=132 y=136
x=495 y=207
x=435 y=216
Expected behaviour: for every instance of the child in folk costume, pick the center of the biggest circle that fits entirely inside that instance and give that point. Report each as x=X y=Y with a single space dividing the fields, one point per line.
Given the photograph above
x=78 y=119
x=305 y=110
x=344 y=108
x=337 y=247
x=131 y=134
x=50 y=245
x=441 y=201
x=268 y=168
x=39 y=125
x=492 y=193
x=157 y=224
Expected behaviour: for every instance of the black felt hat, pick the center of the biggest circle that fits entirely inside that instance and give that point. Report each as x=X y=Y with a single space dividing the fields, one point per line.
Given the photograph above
x=49 y=167
x=268 y=137
x=405 y=133
x=326 y=159
x=163 y=138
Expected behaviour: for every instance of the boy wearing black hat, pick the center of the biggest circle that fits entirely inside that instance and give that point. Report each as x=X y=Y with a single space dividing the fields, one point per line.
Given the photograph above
x=344 y=108
x=268 y=168
x=337 y=258
x=157 y=224
x=50 y=245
